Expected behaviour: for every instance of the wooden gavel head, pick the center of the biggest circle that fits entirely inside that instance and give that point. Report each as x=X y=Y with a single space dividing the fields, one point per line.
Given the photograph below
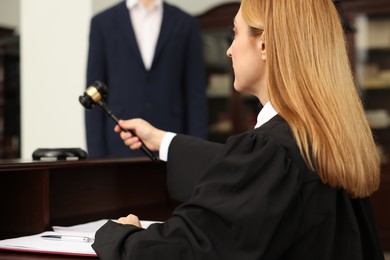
x=94 y=94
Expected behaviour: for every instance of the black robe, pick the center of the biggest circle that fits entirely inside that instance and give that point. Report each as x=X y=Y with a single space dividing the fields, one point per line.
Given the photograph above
x=252 y=198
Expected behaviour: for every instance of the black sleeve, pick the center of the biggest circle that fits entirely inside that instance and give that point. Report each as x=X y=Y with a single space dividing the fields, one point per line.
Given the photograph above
x=242 y=199
x=115 y=236
x=188 y=157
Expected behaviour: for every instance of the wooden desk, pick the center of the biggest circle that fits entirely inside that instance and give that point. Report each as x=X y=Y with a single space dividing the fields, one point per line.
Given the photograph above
x=4 y=255
x=37 y=195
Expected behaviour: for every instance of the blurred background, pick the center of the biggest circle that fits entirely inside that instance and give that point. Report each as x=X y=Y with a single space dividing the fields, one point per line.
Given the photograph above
x=43 y=53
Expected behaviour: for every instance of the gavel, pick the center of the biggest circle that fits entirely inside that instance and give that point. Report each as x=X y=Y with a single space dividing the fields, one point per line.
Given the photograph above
x=95 y=94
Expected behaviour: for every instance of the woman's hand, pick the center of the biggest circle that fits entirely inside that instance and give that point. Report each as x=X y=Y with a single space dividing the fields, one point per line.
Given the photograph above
x=145 y=132
x=130 y=220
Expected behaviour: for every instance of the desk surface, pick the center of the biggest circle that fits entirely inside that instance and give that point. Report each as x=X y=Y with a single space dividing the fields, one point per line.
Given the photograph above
x=6 y=255
x=61 y=182
x=23 y=164
x=35 y=195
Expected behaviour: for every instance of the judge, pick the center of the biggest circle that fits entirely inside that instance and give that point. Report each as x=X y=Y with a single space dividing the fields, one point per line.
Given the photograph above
x=298 y=185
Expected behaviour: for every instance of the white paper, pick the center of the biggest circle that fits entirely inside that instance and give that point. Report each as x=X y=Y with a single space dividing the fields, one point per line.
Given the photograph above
x=90 y=227
x=36 y=243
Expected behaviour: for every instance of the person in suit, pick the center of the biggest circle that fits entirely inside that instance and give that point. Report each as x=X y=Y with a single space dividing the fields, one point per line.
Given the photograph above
x=149 y=54
x=295 y=187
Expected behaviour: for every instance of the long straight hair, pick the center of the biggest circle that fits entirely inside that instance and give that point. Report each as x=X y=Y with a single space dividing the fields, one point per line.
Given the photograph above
x=310 y=84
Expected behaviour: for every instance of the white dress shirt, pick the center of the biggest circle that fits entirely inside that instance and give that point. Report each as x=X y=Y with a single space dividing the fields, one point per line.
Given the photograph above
x=146 y=25
x=265 y=114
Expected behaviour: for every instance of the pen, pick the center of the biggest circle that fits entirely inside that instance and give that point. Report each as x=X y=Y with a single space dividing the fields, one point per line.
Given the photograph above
x=69 y=238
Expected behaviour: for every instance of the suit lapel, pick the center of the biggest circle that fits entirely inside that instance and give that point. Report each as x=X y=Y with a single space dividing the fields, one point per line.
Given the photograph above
x=123 y=22
x=167 y=26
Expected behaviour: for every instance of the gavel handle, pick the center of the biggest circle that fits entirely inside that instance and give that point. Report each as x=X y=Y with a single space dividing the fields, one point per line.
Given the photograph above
x=143 y=147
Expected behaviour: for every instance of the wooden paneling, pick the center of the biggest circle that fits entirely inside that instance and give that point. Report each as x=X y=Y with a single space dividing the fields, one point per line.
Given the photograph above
x=37 y=195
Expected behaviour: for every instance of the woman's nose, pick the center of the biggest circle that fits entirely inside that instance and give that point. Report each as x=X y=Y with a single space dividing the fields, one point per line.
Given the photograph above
x=229 y=52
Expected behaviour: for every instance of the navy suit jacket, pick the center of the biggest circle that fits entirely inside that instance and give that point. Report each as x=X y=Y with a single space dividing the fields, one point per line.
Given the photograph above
x=171 y=95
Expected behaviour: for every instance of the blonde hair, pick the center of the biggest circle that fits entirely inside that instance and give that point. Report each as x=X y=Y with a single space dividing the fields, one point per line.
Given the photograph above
x=310 y=84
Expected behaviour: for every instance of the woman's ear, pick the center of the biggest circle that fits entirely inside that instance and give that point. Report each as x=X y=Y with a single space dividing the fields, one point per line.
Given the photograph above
x=262 y=48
